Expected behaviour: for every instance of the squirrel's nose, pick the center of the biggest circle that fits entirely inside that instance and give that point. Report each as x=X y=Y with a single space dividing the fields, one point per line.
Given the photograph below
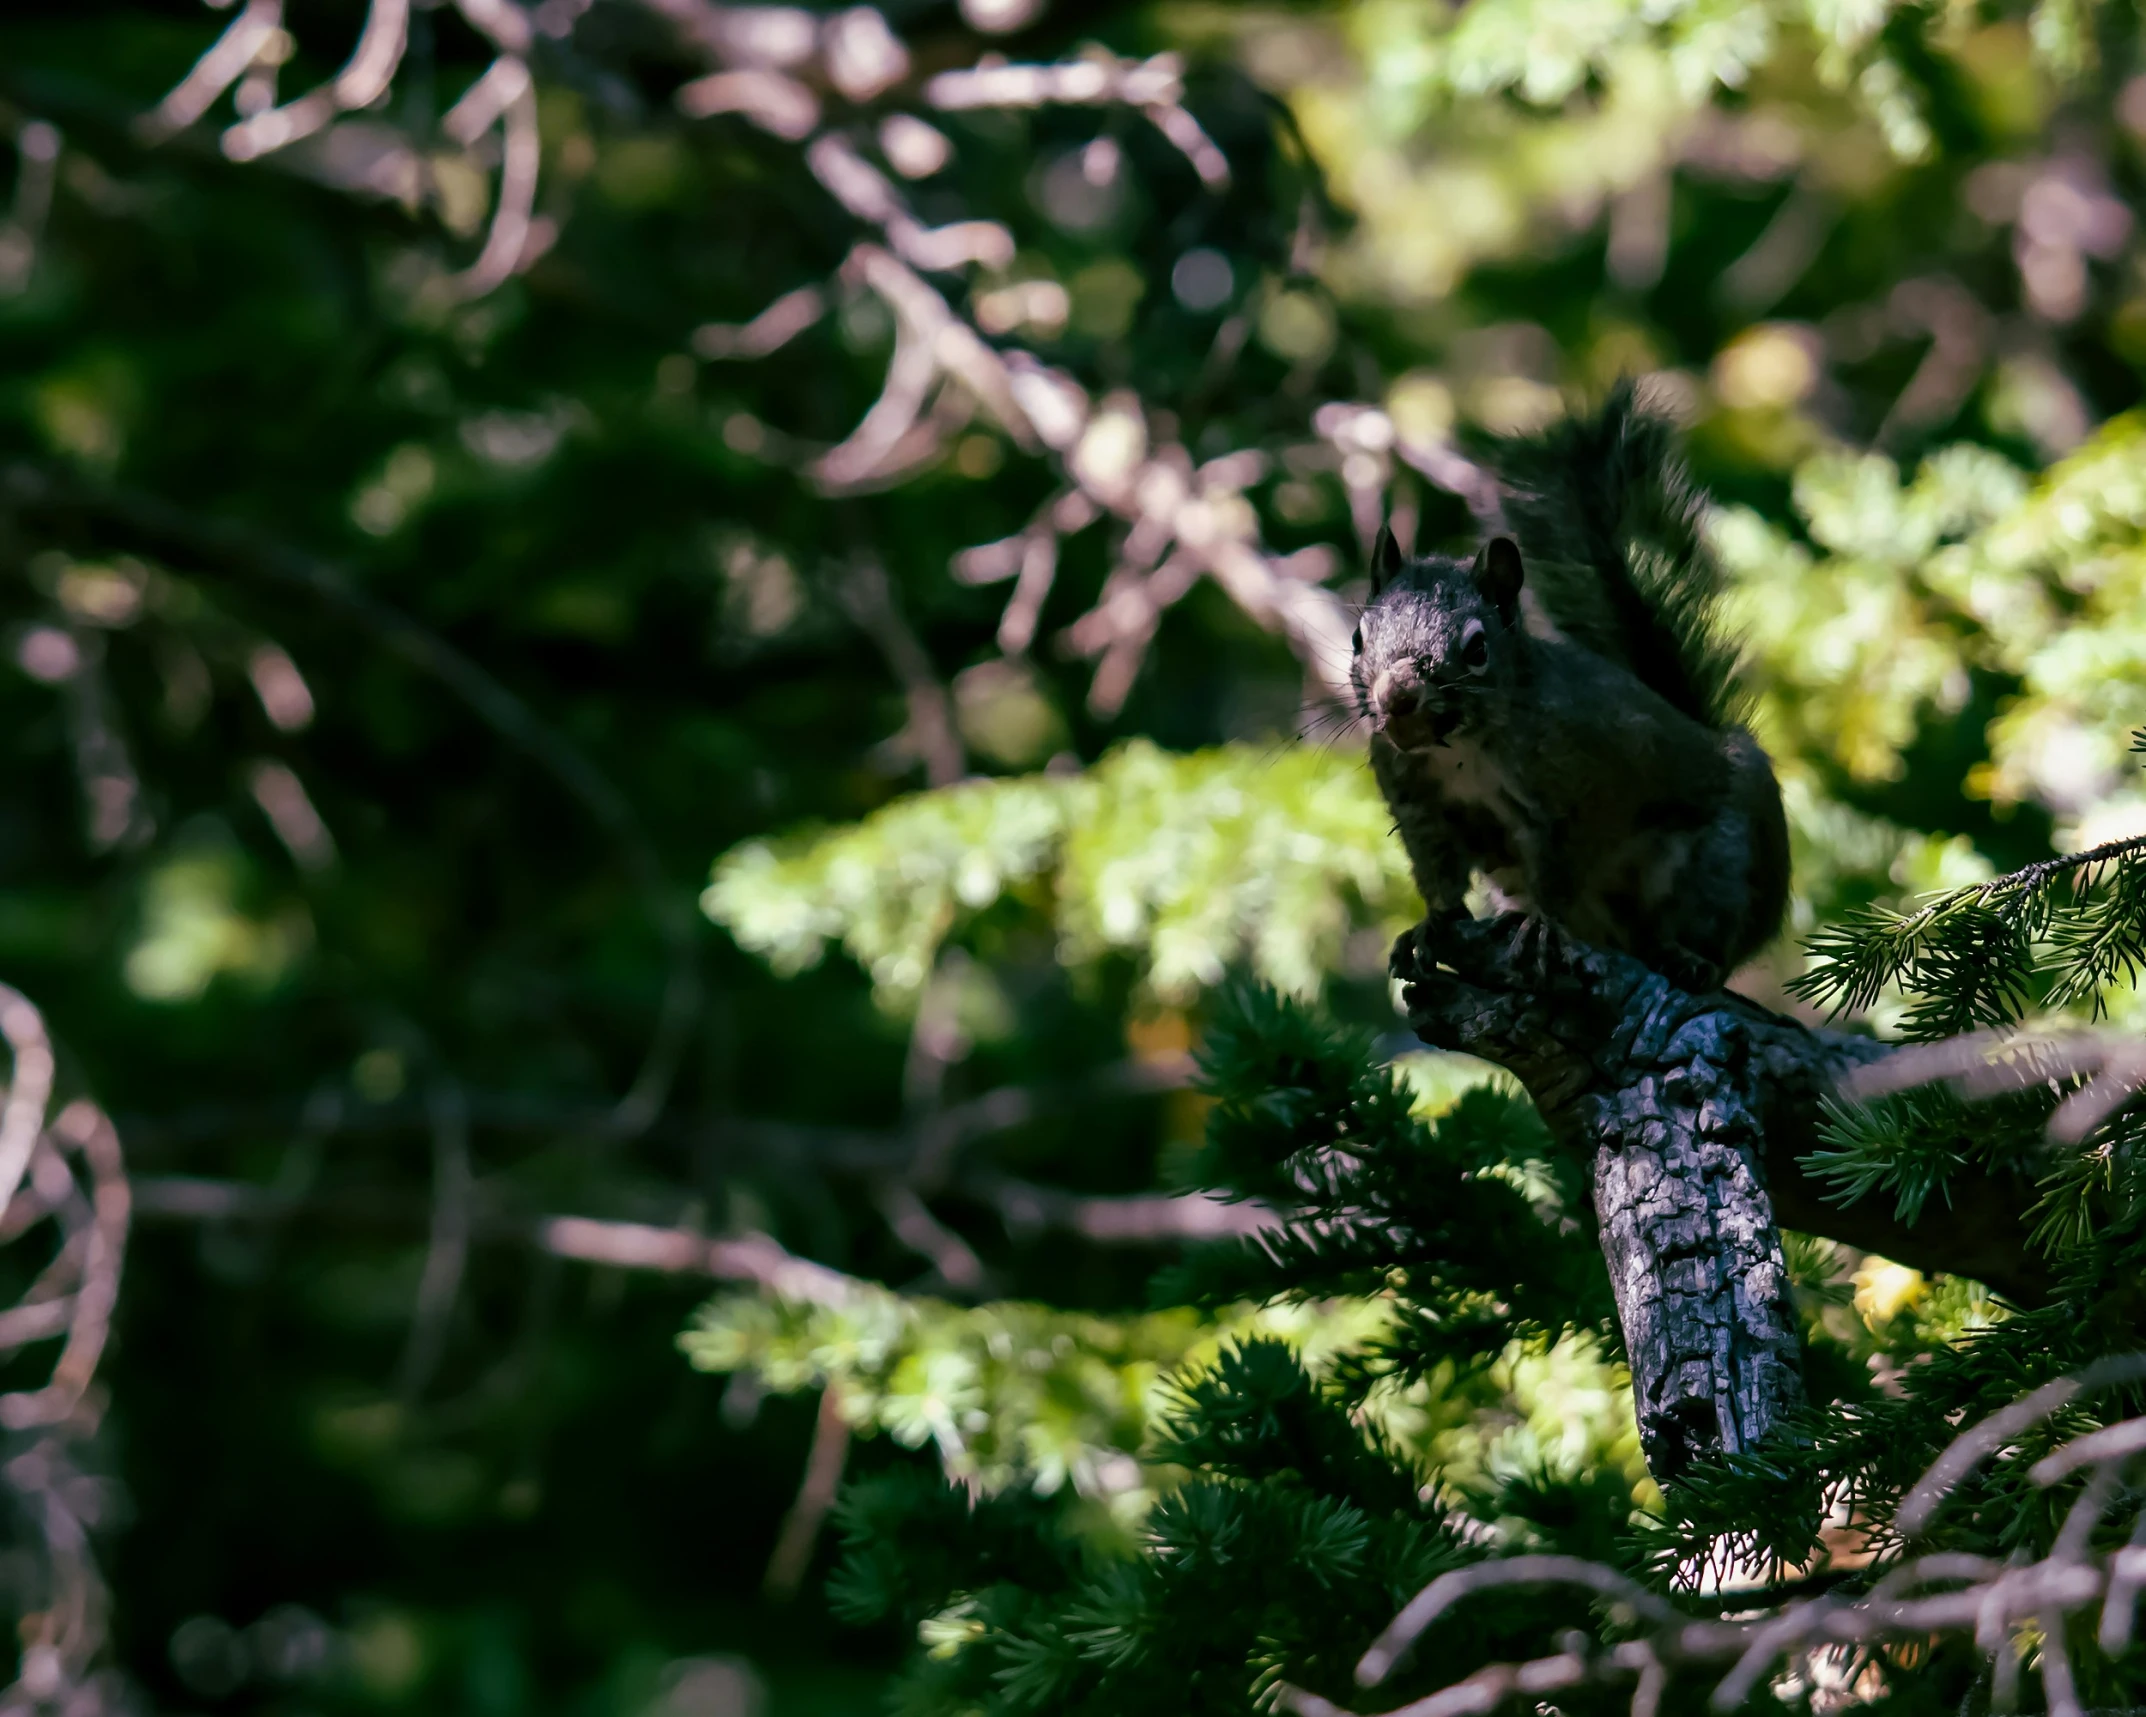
x=1399 y=693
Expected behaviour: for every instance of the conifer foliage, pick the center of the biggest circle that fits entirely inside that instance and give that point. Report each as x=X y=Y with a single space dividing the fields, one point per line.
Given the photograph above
x=1294 y=1517
x=1477 y=1228
x=1295 y=1509
x=1291 y=1533
x=1189 y=863
x=463 y=465
x=2063 y=931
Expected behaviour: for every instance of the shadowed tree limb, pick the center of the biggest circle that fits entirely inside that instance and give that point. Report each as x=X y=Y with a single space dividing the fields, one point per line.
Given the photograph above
x=1694 y=1111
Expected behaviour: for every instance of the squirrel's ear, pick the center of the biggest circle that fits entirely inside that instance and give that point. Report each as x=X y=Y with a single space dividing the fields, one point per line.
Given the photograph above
x=1385 y=560
x=1498 y=575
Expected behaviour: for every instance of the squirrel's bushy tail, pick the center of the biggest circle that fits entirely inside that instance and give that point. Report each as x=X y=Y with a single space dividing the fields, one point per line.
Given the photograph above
x=1610 y=527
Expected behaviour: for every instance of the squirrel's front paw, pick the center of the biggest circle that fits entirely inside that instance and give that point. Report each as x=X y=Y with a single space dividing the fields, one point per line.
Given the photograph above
x=1540 y=951
x=1423 y=947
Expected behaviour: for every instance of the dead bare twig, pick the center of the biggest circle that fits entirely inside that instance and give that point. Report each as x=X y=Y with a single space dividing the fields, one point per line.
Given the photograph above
x=1140 y=1219
x=771 y=68
x=929 y=735
x=29 y=1089
x=66 y=1170
x=2110 y=1068
x=815 y=1497
x=1915 y=1597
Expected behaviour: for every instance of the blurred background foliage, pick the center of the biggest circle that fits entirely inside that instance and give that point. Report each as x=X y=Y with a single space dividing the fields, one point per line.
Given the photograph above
x=389 y=660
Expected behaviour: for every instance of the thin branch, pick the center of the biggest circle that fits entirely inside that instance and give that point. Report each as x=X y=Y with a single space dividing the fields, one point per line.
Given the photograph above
x=781 y=106
x=446 y=1251
x=502 y=23
x=486 y=100
x=910 y=1220
x=765 y=63
x=884 y=447
x=29 y=1088
x=2111 y=1066
x=672 y=1251
x=815 y=1497
x=1977 y=1444
x=930 y=732
x=216 y=71
x=928 y=1145
x=61 y=1599
x=1959 y=329
x=361 y=82
x=507 y=246
x=771 y=330
x=1105 y=453
x=37 y=155
x=1156 y=86
x=1132 y=1219
x=83 y=1128
x=1393 y=1647
x=1781 y=254
x=111 y=789
x=1990 y=1600
x=941 y=1136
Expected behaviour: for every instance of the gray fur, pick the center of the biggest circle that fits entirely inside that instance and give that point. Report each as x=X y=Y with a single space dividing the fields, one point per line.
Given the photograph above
x=1613 y=531
x=1520 y=740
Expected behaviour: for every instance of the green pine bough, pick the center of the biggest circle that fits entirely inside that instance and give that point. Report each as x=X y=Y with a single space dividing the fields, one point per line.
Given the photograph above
x=2054 y=934
x=1291 y=1500
x=1292 y=1515
x=1241 y=855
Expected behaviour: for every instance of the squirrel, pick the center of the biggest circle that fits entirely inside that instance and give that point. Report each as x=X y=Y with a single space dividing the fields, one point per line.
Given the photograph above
x=1561 y=711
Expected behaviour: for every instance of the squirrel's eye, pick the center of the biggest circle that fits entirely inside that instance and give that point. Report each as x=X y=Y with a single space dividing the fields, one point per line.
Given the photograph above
x=1475 y=649
x=1357 y=642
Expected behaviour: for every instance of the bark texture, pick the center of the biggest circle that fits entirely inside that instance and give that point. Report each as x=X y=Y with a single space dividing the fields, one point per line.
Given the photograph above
x=1694 y=1110
x=1694 y=1256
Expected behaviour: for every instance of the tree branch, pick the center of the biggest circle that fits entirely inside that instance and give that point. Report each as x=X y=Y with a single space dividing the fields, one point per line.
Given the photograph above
x=927 y=1149
x=1695 y=1111
x=815 y=1497
x=1137 y=1220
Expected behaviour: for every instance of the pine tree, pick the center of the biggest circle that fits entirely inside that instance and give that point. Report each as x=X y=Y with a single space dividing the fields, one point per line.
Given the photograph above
x=1299 y=1522
x=1297 y=1491
x=571 y=504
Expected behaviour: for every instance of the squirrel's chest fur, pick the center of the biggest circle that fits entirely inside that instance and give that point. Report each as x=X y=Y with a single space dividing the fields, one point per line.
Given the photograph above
x=1459 y=799
x=1465 y=774
x=1575 y=791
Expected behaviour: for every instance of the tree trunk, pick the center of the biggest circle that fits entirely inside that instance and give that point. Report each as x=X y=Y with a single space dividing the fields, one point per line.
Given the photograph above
x=1694 y=1111
x=1694 y=1256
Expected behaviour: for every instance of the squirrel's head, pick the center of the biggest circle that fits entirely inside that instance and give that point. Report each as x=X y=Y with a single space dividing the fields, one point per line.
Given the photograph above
x=1436 y=634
